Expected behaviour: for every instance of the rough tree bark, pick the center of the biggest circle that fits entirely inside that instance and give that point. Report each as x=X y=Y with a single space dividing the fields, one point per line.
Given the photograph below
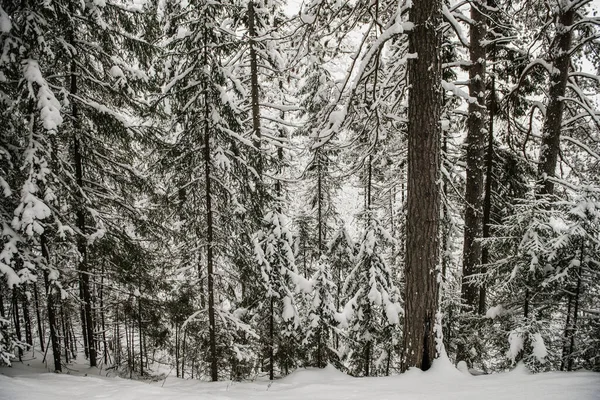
x=476 y=145
x=214 y=374
x=475 y=142
x=561 y=60
x=422 y=247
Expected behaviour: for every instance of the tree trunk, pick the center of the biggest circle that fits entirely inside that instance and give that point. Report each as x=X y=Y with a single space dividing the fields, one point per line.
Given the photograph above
x=566 y=341
x=50 y=307
x=26 y=316
x=38 y=316
x=573 y=328
x=214 y=373
x=183 y=346
x=487 y=201
x=320 y=223
x=422 y=248
x=84 y=278
x=2 y=312
x=254 y=88
x=17 y=318
x=474 y=195
x=271 y=338
x=561 y=60
x=475 y=141
x=140 y=329
x=102 y=317
x=177 y=334
x=64 y=333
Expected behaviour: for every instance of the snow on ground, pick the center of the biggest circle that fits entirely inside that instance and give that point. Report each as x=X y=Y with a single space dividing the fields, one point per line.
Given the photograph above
x=442 y=382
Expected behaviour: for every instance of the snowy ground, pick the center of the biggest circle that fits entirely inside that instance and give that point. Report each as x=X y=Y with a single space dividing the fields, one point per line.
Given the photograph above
x=443 y=382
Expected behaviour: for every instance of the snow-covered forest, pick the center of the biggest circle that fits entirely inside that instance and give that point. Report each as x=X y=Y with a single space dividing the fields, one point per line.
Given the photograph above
x=232 y=189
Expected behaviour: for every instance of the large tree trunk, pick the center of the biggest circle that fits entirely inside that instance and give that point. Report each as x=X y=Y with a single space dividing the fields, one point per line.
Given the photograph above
x=561 y=60
x=422 y=224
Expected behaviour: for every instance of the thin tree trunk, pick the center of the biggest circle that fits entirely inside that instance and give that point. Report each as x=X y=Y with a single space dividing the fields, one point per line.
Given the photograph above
x=487 y=201
x=38 y=316
x=132 y=343
x=422 y=223
x=26 y=316
x=177 y=350
x=475 y=141
x=2 y=312
x=102 y=318
x=214 y=373
x=183 y=348
x=573 y=329
x=367 y=358
x=141 y=330
x=566 y=341
x=17 y=318
x=254 y=88
x=50 y=307
x=271 y=338
x=117 y=338
x=84 y=278
x=86 y=348
x=72 y=341
x=65 y=334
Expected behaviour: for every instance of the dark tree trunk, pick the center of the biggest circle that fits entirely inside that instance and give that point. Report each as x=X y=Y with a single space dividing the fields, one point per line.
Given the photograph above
x=573 y=327
x=566 y=341
x=84 y=277
x=2 y=312
x=86 y=348
x=487 y=201
x=254 y=88
x=183 y=346
x=38 y=316
x=102 y=317
x=474 y=195
x=475 y=141
x=17 y=318
x=489 y=166
x=26 y=316
x=214 y=373
x=368 y=358
x=72 y=341
x=65 y=334
x=141 y=331
x=561 y=61
x=422 y=247
x=50 y=308
x=271 y=338
x=177 y=334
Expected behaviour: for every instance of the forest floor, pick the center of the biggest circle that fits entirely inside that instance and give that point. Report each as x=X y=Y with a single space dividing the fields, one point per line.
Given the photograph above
x=30 y=381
